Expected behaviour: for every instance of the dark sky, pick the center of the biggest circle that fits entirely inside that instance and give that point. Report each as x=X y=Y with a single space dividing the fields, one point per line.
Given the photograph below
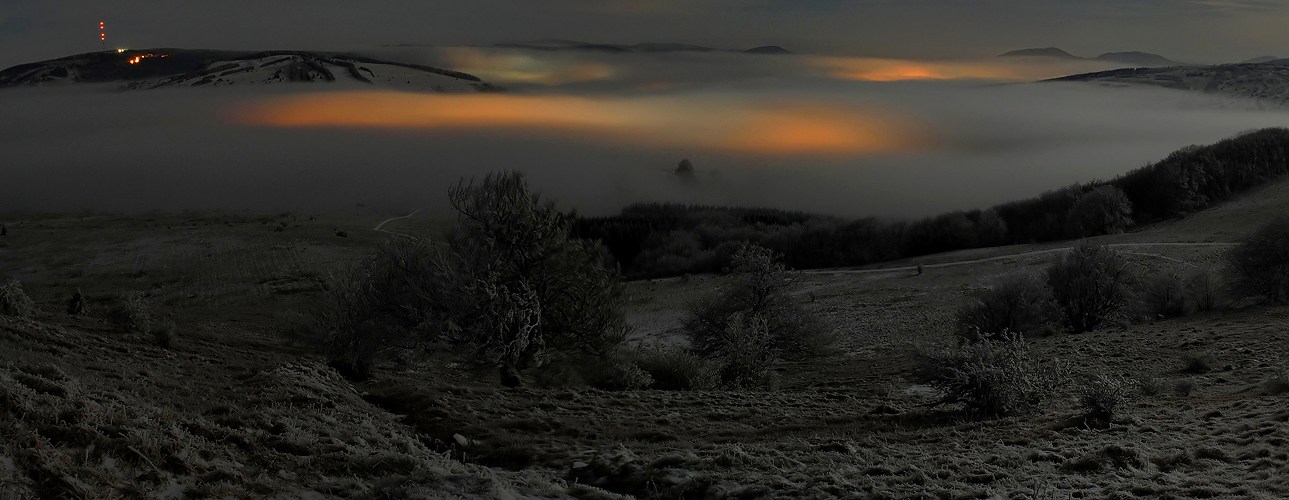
x=1188 y=30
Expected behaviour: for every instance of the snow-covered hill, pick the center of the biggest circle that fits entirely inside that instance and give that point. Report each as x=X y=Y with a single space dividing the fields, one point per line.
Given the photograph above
x=160 y=68
x=1268 y=82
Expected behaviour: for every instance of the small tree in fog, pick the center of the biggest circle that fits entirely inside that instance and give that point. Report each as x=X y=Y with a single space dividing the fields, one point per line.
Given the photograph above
x=1104 y=210
x=685 y=168
x=1260 y=264
x=1091 y=285
x=1019 y=303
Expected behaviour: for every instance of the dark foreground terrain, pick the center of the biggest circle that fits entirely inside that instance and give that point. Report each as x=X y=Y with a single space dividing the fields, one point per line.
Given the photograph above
x=239 y=405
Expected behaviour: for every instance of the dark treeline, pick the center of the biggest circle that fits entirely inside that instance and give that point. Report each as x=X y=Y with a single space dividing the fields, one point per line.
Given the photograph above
x=652 y=240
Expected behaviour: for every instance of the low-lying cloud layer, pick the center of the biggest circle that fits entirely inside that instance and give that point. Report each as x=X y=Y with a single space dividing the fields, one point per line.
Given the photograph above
x=805 y=127
x=759 y=129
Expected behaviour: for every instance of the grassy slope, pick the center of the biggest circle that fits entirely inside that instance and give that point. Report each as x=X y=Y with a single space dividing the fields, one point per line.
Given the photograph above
x=235 y=390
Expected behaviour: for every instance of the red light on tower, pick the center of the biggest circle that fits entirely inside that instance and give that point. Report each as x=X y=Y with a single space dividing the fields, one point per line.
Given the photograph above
x=102 y=34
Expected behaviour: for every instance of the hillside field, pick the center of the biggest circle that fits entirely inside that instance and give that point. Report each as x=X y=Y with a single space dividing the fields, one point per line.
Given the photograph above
x=239 y=406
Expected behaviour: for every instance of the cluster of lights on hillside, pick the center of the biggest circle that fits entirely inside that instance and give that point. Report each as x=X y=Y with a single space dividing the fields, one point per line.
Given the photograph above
x=139 y=58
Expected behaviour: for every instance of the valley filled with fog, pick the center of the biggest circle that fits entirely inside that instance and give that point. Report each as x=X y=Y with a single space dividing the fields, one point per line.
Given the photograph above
x=842 y=136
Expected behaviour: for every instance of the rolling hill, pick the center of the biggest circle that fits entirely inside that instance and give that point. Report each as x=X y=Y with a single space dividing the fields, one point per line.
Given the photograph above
x=238 y=405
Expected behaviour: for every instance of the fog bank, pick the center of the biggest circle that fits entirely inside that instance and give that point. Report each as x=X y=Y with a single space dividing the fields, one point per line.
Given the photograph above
x=814 y=142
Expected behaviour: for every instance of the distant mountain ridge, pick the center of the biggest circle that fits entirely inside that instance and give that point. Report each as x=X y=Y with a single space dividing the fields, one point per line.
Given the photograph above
x=165 y=67
x=1044 y=52
x=574 y=45
x=1135 y=58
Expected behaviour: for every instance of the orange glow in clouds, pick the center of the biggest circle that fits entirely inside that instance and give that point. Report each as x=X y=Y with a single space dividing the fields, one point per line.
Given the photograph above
x=785 y=129
x=892 y=70
x=806 y=131
x=403 y=110
x=520 y=67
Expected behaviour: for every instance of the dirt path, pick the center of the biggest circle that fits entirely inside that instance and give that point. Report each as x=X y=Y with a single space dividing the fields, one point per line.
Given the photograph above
x=391 y=219
x=1015 y=256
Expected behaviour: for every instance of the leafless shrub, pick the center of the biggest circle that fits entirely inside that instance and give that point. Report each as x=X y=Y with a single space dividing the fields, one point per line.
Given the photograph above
x=1092 y=286
x=1164 y=295
x=1260 y=264
x=1204 y=286
x=1021 y=303
x=1149 y=385
x=991 y=377
x=14 y=301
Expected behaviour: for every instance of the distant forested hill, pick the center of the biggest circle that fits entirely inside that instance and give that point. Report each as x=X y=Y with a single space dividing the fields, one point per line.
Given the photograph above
x=653 y=240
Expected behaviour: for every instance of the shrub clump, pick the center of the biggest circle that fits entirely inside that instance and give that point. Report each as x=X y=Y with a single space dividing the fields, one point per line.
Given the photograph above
x=1092 y=286
x=1204 y=286
x=1020 y=303
x=1104 y=210
x=1165 y=295
x=679 y=370
x=1174 y=292
x=618 y=374
x=1260 y=263
x=164 y=334
x=753 y=322
x=1101 y=397
x=758 y=289
x=991 y=376
x=748 y=356
x=1197 y=362
x=383 y=303
x=76 y=304
x=132 y=313
x=14 y=301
